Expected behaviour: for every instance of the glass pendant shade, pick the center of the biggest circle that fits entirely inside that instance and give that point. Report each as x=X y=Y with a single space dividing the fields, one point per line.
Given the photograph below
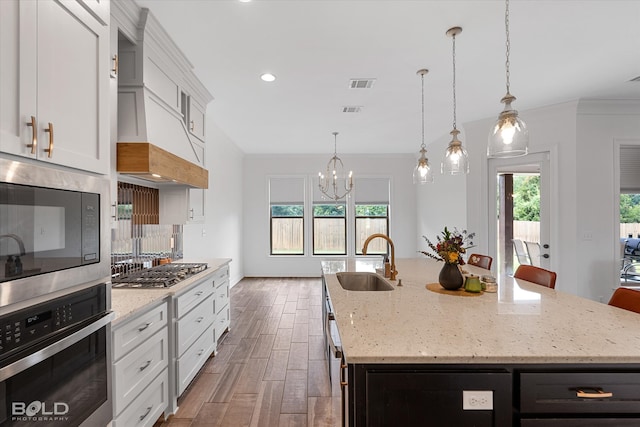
x=456 y=160
x=422 y=173
x=509 y=136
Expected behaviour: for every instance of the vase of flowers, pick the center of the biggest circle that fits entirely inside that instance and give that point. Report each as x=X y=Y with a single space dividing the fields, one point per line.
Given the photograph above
x=449 y=248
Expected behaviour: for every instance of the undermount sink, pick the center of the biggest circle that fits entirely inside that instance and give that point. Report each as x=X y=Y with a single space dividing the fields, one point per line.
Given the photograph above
x=352 y=281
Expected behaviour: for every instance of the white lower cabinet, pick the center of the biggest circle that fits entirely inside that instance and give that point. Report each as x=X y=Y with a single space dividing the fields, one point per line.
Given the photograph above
x=159 y=350
x=141 y=367
x=223 y=314
x=194 y=330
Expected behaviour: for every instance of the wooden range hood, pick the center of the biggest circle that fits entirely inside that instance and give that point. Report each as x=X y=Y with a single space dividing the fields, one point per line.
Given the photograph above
x=149 y=162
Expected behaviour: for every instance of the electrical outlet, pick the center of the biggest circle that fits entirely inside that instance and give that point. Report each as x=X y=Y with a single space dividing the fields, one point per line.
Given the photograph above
x=477 y=400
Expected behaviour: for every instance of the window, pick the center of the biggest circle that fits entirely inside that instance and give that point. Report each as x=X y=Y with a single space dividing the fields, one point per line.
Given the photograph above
x=286 y=205
x=371 y=213
x=287 y=229
x=329 y=229
x=371 y=219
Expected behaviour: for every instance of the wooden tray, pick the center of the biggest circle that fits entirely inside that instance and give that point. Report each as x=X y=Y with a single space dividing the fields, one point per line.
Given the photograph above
x=437 y=288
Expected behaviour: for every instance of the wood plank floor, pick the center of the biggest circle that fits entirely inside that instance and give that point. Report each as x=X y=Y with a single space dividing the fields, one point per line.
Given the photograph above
x=271 y=369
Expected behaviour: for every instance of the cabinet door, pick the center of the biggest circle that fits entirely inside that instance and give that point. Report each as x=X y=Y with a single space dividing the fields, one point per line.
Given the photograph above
x=196 y=205
x=72 y=86
x=433 y=398
x=196 y=119
x=18 y=57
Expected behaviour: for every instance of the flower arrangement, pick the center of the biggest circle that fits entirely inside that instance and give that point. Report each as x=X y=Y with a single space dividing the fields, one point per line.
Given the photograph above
x=451 y=245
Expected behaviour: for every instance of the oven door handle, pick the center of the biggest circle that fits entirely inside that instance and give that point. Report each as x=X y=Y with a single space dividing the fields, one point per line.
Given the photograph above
x=48 y=351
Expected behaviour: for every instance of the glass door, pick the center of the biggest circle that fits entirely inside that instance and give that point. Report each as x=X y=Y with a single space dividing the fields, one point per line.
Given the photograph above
x=519 y=228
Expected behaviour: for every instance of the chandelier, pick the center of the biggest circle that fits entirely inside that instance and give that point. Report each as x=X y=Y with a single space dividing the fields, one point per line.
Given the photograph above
x=334 y=184
x=422 y=173
x=509 y=136
x=456 y=160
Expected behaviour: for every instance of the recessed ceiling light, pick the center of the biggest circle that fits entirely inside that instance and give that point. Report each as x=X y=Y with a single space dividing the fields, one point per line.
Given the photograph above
x=244 y=1
x=268 y=77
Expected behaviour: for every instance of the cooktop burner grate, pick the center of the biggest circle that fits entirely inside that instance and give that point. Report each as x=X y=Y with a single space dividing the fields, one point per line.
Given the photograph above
x=162 y=276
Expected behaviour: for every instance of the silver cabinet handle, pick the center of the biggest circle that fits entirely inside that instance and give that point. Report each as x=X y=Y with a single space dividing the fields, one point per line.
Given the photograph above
x=143 y=416
x=142 y=328
x=200 y=352
x=199 y=319
x=337 y=351
x=145 y=365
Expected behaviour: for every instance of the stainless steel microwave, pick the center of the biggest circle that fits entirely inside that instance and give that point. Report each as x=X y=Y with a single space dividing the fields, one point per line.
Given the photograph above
x=53 y=231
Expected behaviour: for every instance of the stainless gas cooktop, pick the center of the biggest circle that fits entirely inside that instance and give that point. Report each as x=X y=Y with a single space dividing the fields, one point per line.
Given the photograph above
x=162 y=276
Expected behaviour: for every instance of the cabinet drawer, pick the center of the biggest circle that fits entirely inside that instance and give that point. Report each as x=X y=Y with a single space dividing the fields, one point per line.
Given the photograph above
x=222 y=296
x=221 y=275
x=137 y=369
x=222 y=322
x=134 y=331
x=148 y=406
x=194 y=296
x=193 y=324
x=194 y=358
x=558 y=392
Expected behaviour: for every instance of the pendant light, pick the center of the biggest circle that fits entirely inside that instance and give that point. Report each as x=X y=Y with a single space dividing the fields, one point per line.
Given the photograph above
x=422 y=173
x=456 y=160
x=509 y=136
x=335 y=185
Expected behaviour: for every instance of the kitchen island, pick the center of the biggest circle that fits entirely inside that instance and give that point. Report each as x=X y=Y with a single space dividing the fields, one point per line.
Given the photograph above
x=409 y=353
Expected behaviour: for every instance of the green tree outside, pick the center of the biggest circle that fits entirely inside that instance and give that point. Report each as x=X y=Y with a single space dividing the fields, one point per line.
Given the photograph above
x=526 y=197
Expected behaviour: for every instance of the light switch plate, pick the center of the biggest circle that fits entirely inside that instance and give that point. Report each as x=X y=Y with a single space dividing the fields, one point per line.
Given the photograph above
x=477 y=400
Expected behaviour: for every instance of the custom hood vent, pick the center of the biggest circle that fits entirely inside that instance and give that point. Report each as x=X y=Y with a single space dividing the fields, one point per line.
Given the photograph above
x=151 y=163
x=161 y=104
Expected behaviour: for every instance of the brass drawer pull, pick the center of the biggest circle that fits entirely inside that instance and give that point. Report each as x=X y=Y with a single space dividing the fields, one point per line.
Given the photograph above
x=593 y=393
x=50 y=149
x=34 y=135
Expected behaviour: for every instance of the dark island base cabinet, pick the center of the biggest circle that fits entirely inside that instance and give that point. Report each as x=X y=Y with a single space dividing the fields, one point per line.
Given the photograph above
x=522 y=395
x=428 y=398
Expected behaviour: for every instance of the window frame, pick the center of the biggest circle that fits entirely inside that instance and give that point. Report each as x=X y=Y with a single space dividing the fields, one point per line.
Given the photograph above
x=271 y=218
x=313 y=229
x=356 y=217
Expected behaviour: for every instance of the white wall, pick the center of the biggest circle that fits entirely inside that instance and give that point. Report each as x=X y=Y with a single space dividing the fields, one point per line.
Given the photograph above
x=223 y=228
x=443 y=202
x=258 y=168
x=602 y=127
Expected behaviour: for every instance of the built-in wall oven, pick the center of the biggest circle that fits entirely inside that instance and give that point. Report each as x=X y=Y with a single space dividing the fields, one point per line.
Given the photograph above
x=55 y=304
x=55 y=365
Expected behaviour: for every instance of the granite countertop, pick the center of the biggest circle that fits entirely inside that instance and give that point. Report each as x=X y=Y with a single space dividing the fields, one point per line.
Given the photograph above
x=127 y=301
x=521 y=323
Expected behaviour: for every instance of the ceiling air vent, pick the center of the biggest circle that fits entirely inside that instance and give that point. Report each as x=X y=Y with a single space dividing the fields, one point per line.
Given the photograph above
x=361 y=83
x=351 y=109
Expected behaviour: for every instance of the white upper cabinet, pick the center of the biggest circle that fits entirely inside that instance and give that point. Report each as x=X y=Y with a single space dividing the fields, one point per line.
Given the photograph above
x=54 y=80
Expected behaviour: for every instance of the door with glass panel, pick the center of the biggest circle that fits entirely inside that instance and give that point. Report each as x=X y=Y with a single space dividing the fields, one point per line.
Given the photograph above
x=519 y=189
